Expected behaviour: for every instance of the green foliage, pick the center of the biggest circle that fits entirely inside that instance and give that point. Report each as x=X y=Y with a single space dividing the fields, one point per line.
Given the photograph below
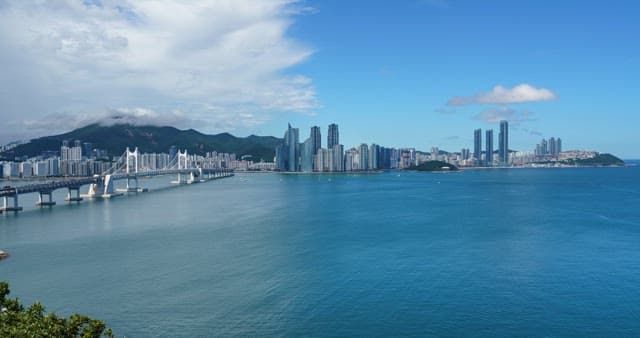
x=598 y=160
x=150 y=139
x=16 y=321
x=434 y=166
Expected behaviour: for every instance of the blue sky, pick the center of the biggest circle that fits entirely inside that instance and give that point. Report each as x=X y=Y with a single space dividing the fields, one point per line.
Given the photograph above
x=414 y=73
x=383 y=70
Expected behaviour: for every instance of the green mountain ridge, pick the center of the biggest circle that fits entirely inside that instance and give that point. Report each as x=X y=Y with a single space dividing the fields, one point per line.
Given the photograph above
x=152 y=139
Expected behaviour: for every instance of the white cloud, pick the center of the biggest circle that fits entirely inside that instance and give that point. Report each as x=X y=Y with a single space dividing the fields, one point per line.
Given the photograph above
x=501 y=95
x=223 y=63
x=497 y=114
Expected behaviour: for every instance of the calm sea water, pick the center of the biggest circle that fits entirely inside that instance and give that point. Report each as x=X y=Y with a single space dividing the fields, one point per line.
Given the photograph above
x=527 y=252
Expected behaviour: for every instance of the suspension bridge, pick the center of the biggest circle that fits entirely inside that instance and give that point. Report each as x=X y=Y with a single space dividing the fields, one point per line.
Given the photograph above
x=126 y=168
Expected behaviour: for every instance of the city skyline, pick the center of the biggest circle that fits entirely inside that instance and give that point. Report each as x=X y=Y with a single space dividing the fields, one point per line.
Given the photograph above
x=569 y=75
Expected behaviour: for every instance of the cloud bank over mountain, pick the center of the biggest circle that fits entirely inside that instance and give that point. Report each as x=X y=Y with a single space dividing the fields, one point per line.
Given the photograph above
x=222 y=64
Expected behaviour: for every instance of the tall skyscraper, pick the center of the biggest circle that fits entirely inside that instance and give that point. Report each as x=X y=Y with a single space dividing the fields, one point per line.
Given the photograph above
x=488 y=148
x=364 y=157
x=316 y=139
x=292 y=144
x=559 y=145
x=288 y=153
x=306 y=156
x=373 y=156
x=333 y=137
x=173 y=152
x=504 y=142
x=338 y=161
x=477 y=145
x=552 y=146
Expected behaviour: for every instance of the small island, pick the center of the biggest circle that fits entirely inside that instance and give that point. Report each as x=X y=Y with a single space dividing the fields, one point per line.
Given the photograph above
x=434 y=166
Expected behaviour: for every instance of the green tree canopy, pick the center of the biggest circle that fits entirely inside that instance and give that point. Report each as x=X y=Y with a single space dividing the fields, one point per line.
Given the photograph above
x=18 y=321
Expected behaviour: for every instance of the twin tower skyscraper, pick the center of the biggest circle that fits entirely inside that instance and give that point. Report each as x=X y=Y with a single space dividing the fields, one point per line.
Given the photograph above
x=295 y=156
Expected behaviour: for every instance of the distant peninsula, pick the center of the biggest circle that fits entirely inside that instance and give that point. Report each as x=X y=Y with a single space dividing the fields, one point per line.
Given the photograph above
x=434 y=166
x=599 y=160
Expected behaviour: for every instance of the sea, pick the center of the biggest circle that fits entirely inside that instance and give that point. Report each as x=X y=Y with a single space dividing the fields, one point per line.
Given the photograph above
x=491 y=253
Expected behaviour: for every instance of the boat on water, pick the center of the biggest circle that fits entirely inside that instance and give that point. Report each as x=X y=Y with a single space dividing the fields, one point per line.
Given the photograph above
x=3 y=254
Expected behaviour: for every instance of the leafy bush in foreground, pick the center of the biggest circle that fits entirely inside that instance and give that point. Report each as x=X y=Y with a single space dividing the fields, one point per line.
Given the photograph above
x=18 y=321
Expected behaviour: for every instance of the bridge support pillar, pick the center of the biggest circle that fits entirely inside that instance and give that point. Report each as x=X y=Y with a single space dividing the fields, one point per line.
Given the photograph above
x=73 y=197
x=6 y=206
x=131 y=188
x=48 y=202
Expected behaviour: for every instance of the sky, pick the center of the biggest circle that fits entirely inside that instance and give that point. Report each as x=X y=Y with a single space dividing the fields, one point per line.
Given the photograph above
x=414 y=73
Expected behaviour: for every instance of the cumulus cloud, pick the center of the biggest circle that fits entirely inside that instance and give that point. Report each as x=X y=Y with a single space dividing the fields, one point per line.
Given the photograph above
x=497 y=114
x=226 y=64
x=501 y=95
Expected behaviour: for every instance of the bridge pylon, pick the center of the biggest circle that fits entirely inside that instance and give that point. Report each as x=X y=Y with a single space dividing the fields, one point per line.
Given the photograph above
x=48 y=202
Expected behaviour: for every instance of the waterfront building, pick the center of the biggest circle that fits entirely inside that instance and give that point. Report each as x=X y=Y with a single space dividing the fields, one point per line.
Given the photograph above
x=489 y=148
x=465 y=153
x=477 y=145
x=11 y=169
x=374 y=150
x=337 y=158
x=503 y=146
x=552 y=146
x=333 y=136
x=348 y=160
x=306 y=155
x=41 y=168
x=316 y=139
x=287 y=154
x=26 y=169
x=364 y=156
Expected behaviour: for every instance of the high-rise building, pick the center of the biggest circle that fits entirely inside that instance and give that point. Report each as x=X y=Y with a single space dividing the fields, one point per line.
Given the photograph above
x=173 y=152
x=465 y=153
x=552 y=146
x=292 y=137
x=503 y=146
x=488 y=157
x=306 y=155
x=559 y=145
x=316 y=139
x=364 y=156
x=374 y=149
x=477 y=145
x=333 y=136
x=337 y=160
x=88 y=149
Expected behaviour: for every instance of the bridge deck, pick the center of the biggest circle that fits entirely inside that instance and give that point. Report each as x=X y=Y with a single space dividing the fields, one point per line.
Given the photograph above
x=78 y=182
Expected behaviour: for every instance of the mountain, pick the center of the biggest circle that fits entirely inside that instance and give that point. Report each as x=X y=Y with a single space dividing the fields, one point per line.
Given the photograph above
x=150 y=139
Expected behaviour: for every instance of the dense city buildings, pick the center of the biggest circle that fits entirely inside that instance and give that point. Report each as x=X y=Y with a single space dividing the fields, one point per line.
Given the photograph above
x=548 y=149
x=81 y=159
x=77 y=158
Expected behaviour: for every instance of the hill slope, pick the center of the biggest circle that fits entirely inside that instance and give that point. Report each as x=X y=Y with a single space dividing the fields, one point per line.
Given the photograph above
x=150 y=139
x=434 y=166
